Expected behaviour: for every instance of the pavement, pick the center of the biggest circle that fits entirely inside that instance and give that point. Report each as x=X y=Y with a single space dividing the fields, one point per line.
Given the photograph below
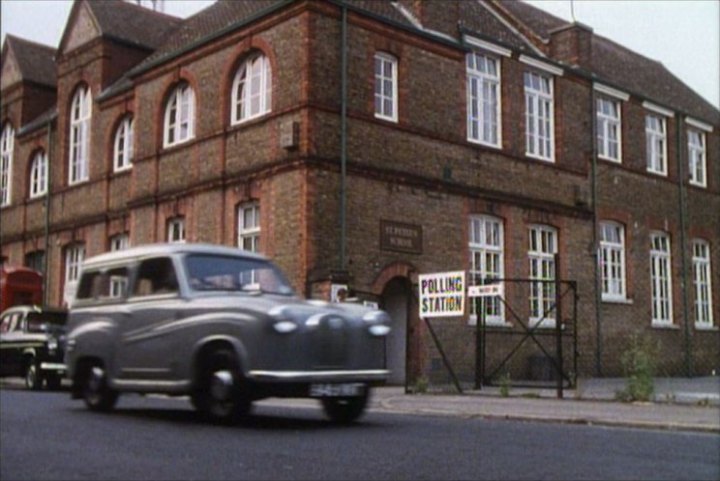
x=687 y=404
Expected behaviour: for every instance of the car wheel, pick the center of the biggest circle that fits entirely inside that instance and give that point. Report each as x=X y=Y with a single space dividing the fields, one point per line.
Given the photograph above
x=345 y=410
x=54 y=381
x=33 y=379
x=96 y=393
x=219 y=396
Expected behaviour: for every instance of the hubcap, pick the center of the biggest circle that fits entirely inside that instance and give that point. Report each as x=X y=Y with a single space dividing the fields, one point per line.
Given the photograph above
x=221 y=385
x=94 y=383
x=30 y=377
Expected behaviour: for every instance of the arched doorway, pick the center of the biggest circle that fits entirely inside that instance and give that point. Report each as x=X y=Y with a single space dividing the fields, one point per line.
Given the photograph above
x=395 y=300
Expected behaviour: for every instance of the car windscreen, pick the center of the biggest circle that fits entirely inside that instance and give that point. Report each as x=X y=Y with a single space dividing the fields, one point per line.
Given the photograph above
x=46 y=321
x=230 y=273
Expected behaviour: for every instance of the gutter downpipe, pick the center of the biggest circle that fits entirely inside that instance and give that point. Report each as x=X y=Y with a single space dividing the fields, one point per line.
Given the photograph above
x=46 y=257
x=596 y=247
x=683 y=246
x=343 y=138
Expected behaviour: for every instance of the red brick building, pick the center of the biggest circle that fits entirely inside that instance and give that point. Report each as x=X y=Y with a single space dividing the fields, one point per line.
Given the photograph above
x=366 y=142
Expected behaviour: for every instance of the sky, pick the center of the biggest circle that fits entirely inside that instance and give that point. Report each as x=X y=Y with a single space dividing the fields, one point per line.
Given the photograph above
x=682 y=34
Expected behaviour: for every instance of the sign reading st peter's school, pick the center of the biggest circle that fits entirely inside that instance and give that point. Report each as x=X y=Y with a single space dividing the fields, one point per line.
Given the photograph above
x=442 y=294
x=400 y=237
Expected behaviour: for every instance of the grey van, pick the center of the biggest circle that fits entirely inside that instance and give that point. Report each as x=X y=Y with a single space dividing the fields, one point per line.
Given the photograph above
x=221 y=326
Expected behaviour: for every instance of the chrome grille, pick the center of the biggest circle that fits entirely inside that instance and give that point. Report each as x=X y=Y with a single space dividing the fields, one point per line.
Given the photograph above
x=330 y=342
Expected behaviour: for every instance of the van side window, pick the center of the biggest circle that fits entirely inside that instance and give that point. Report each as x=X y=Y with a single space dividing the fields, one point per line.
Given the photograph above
x=118 y=282
x=91 y=285
x=156 y=276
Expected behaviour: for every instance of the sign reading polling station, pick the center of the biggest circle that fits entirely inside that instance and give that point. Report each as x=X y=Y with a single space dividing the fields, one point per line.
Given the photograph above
x=442 y=294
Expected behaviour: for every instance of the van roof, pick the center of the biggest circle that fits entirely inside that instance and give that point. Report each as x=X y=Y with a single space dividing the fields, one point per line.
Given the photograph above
x=151 y=250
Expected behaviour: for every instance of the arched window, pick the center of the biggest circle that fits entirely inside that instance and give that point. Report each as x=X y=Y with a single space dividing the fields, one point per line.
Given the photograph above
x=179 y=116
x=252 y=88
x=39 y=175
x=123 y=150
x=7 y=140
x=80 y=114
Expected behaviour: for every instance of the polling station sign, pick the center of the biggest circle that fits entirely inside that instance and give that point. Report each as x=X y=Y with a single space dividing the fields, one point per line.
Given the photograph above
x=442 y=294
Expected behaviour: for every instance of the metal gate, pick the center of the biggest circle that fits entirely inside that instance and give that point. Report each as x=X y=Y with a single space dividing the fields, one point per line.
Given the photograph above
x=550 y=335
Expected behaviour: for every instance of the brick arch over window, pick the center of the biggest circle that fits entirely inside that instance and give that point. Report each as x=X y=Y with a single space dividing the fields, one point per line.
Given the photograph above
x=171 y=84
x=246 y=50
x=391 y=271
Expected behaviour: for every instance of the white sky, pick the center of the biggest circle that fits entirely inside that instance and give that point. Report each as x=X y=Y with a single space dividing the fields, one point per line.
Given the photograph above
x=682 y=34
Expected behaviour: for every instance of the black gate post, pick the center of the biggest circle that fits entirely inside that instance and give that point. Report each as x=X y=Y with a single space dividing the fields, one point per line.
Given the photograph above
x=479 y=341
x=479 y=358
x=558 y=328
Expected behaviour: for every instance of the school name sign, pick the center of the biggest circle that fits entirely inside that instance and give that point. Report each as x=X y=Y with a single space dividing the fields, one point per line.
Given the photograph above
x=442 y=294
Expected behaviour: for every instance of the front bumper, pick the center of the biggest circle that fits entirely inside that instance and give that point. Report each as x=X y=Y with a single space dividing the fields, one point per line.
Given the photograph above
x=53 y=366
x=367 y=375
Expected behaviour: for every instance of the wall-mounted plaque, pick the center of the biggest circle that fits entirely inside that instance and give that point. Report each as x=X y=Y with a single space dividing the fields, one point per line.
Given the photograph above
x=400 y=237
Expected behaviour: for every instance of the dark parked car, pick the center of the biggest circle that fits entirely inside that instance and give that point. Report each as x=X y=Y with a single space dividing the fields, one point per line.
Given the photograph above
x=32 y=342
x=220 y=325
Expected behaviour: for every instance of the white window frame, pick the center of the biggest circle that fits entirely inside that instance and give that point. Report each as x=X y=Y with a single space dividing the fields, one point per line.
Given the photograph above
x=702 y=279
x=542 y=247
x=176 y=230
x=123 y=147
x=179 y=119
x=119 y=242
x=80 y=117
x=248 y=222
x=386 y=87
x=612 y=261
x=484 y=99
x=118 y=285
x=609 y=129
x=661 y=295
x=697 y=154
x=7 y=145
x=486 y=241
x=539 y=115
x=656 y=144
x=39 y=175
x=74 y=257
x=252 y=89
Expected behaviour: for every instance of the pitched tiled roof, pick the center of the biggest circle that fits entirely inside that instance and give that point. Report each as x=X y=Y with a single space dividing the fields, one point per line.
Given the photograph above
x=383 y=9
x=36 y=61
x=539 y=21
x=477 y=18
x=206 y=25
x=622 y=67
x=133 y=24
x=39 y=122
x=648 y=78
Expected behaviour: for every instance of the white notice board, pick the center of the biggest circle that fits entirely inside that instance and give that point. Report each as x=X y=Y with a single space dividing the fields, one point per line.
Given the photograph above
x=442 y=294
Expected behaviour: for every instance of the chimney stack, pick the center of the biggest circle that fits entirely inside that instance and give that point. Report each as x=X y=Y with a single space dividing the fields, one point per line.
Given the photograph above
x=438 y=15
x=572 y=44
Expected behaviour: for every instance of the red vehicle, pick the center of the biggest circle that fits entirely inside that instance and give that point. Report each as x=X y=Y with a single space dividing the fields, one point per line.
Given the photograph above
x=20 y=286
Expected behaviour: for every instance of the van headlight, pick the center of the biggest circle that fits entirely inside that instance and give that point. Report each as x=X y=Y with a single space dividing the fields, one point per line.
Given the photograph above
x=282 y=321
x=378 y=323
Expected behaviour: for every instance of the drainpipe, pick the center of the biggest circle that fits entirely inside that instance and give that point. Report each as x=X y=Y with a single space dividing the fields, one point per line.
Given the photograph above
x=343 y=138
x=595 y=242
x=46 y=257
x=683 y=245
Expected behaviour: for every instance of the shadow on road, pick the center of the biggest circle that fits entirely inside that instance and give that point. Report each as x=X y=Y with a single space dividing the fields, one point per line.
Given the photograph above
x=260 y=419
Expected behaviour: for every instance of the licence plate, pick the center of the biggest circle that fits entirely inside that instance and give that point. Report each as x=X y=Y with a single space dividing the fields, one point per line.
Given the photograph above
x=350 y=389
